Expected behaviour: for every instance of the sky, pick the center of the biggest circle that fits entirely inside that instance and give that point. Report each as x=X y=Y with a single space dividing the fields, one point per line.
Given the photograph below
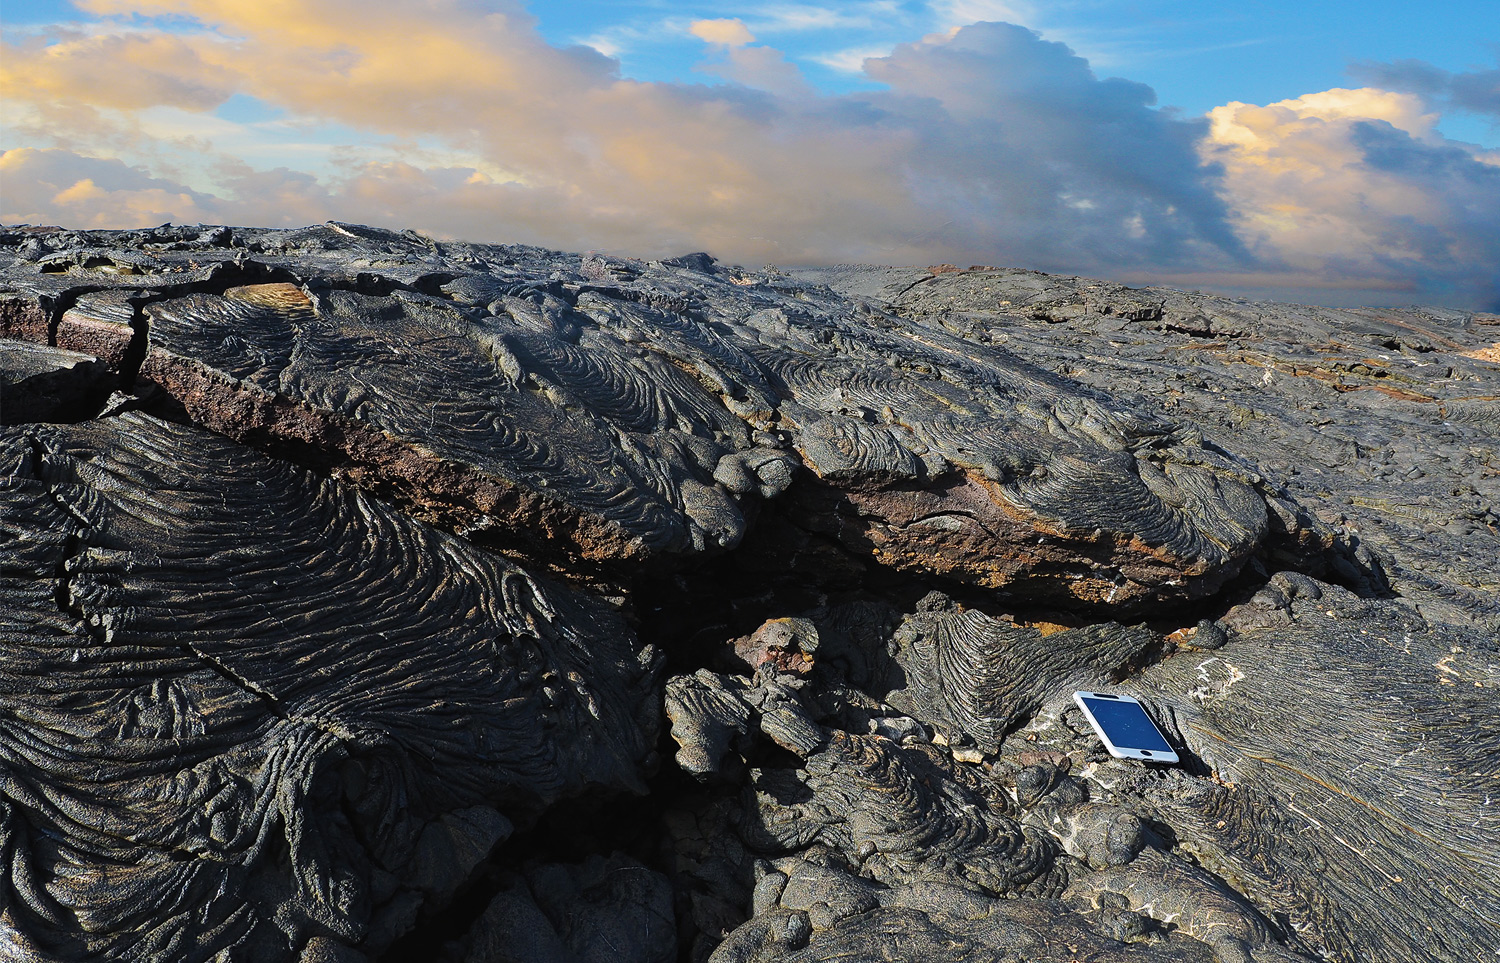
x=1326 y=152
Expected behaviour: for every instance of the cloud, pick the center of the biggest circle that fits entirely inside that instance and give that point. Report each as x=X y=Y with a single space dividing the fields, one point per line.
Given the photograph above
x=726 y=33
x=800 y=17
x=794 y=21
x=764 y=68
x=850 y=60
x=1357 y=185
x=958 y=13
x=987 y=144
x=60 y=187
x=129 y=71
x=928 y=170
x=1477 y=90
x=1029 y=132
x=761 y=67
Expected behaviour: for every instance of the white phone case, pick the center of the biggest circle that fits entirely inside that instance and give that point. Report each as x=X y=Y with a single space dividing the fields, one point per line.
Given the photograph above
x=1150 y=753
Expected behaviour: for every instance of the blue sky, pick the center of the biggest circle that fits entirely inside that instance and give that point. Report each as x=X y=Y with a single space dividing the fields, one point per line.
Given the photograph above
x=1195 y=55
x=1333 y=152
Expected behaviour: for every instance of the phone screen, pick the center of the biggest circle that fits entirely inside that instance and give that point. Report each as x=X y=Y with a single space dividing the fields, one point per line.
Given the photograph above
x=1127 y=725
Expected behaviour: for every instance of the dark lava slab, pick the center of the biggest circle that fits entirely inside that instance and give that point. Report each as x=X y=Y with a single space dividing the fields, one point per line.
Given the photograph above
x=244 y=708
x=416 y=398
x=1380 y=421
x=609 y=412
x=1356 y=770
x=38 y=383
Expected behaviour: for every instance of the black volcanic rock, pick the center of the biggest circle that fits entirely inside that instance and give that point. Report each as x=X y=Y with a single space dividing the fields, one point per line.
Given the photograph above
x=41 y=383
x=608 y=414
x=275 y=699
x=371 y=597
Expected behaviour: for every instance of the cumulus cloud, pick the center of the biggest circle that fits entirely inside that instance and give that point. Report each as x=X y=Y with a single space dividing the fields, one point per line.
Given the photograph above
x=987 y=144
x=850 y=60
x=1003 y=114
x=760 y=67
x=928 y=170
x=1356 y=188
x=1475 y=90
x=60 y=187
x=725 y=33
x=131 y=70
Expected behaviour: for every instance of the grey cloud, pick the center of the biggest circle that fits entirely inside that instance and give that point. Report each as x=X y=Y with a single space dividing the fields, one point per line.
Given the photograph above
x=60 y=169
x=989 y=146
x=38 y=182
x=1023 y=137
x=1462 y=245
x=35 y=177
x=1476 y=90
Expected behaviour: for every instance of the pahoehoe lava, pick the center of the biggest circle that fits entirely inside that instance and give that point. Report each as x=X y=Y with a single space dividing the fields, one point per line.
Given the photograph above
x=371 y=598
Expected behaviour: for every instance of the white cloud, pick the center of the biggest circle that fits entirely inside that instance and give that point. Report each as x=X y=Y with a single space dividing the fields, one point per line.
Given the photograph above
x=798 y=17
x=612 y=42
x=850 y=61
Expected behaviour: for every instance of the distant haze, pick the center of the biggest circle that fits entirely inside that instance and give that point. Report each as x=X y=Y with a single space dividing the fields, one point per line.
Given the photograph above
x=975 y=143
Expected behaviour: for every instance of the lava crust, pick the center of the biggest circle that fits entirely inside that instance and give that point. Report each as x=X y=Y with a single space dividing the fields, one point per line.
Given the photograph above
x=371 y=598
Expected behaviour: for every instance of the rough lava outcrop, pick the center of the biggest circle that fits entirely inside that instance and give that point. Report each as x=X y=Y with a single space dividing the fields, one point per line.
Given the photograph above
x=367 y=597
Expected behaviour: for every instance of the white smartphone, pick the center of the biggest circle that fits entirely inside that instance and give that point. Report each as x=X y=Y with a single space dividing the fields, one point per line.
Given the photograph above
x=1124 y=728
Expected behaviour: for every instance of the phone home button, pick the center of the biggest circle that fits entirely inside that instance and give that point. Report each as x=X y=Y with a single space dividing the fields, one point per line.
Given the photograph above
x=1145 y=752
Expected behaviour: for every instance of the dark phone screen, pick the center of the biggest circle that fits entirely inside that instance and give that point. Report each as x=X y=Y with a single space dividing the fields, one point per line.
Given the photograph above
x=1127 y=725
